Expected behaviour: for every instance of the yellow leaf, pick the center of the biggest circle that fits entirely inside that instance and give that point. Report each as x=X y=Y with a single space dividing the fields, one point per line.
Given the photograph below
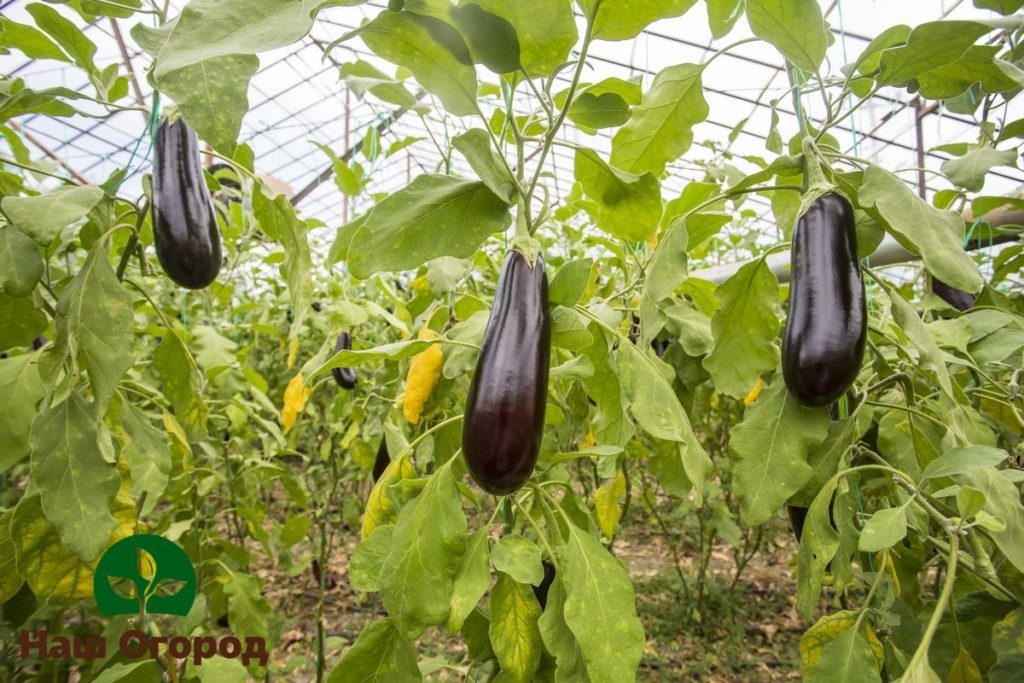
x=827 y=629
x=964 y=669
x=293 y=351
x=421 y=285
x=424 y=373
x=147 y=565
x=295 y=397
x=890 y=569
x=173 y=427
x=383 y=504
x=754 y=393
x=652 y=241
x=606 y=500
x=588 y=442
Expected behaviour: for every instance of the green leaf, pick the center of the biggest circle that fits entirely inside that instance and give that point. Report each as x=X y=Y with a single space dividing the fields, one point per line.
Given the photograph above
x=44 y=216
x=19 y=100
x=667 y=271
x=818 y=545
x=514 y=634
x=745 y=328
x=405 y=39
x=600 y=609
x=519 y=557
x=921 y=228
x=147 y=454
x=770 y=450
x=472 y=579
x=364 y=567
x=20 y=391
x=32 y=42
x=76 y=482
x=475 y=145
x=929 y=46
x=723 y=15
x=625 y=20
x=10 y=580
x=21 y=266
x=22 y=321
x=1007 y=636
x=966 y=459
x=592 y=112
x=628 y=205
x=795 y=27
x=611 y=425
x=1004 y=7
x=978 y=65
x=217 y=670
x=434 y=216
x=248 y=611
x=930 y=356
x=362 y=77
x=95 y=326
x=491 y=39
x=848 y=658
x=546 y=30
x=884 y=529
x=660 y=130
x=969 y=171
x=182 y=383
x=278 y=219
x=570 y=282
x=71 y=39
x=559 y=639
x=569 y=329
x=379 y=655
x=1002 y=500
x=417 y=576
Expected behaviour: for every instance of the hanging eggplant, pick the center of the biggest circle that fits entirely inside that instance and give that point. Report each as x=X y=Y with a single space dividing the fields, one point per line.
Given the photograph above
x=345 y=377
x=504 y=419
x=826 y=327
x=957 y=298
x=382 y=461
x=185 y=229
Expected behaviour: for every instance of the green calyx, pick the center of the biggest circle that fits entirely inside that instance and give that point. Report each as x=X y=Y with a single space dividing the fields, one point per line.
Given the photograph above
x=528 y=247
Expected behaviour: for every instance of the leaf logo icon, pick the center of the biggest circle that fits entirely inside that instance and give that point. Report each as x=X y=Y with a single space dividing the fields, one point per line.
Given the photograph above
x=144 y=574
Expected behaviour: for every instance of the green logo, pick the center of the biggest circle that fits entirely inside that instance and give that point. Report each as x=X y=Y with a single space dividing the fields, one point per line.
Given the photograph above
x=144 y=573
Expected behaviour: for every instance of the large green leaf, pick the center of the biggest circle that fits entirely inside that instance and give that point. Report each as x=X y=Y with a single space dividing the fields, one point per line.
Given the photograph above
x=406 y=39
x=367 y=558
x=795 y=27
x=600 y=609
x=628 y=205
x=935 y=234
x=472 y=579
x=30 y=40
x=559 y=639
x=611 y=425
x=1004 y=7
x=20 y=391
x=770 y=450
x=745 y=329
x=22 y=321
x=248 y=611
x=76 y=482
x=546 y=30
x=148 y=456
x=930 y=45
x=818 y=545
x=847 y=658
x=619 y=20
x=21 y=266
x=667 y=271
x=362 y=77
x=379 y=655
x=70 y=37
x=43 y=216
x=278 y=219
x=181 y=383
x=723 y=15
x=660 y=130
x=1002 y=500
x=434 y=216
x=475 y=145
x=96 y=326
x=514 y=634
x=977 y=65
x=416 y=581
x=519 y=557
x=1007 y=636
x=10 y=581
x=930 y=355
x=969 y=171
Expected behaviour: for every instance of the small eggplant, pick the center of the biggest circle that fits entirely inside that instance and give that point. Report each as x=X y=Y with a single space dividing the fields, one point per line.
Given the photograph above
x=345 y=377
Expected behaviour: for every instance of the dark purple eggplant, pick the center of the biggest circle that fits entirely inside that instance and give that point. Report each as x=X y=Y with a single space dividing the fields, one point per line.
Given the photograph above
x=39 y=342
x=957 y=298
x=826 y=327
x=541 y=591
x=504 y=419
x=345 y=377
x=382 y=461
x=185 y=229
x=797 y=517
x=660 y=346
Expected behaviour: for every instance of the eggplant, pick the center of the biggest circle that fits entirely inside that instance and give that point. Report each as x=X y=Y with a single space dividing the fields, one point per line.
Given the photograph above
x=504 y=419
x=39 y=342
x=382 y=461
x=957 y=298
x=797 y=517
x=345 y=377
x=826 y=327
x=541 y=591
x=185 y=229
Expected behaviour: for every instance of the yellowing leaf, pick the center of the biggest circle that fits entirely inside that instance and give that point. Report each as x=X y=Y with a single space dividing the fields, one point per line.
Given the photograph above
x=828 y=629
x=147 y=565
x=754 y=393
x=513 y=630
x=964 y=669
x=606 y=500
x=295 y=397
x=383 y=504
x=424 y=373
x=293 y=351
x=588 y=442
